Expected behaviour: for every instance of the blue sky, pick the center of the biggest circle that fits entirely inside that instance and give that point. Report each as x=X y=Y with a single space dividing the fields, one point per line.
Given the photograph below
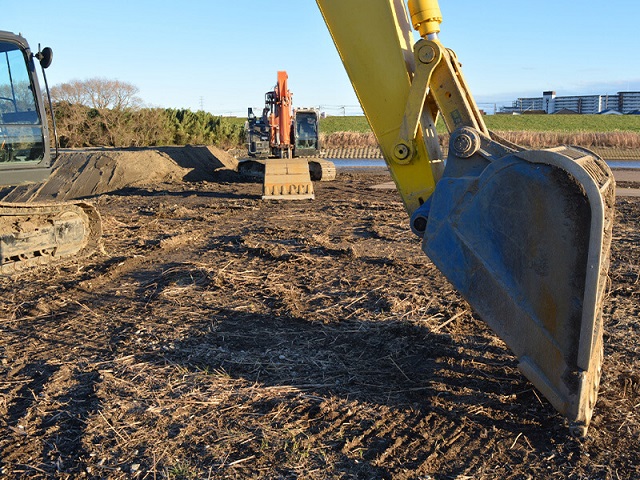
x=223 y=55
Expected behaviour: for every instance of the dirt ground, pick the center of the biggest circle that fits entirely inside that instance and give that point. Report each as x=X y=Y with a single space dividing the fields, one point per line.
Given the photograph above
x=222 y=336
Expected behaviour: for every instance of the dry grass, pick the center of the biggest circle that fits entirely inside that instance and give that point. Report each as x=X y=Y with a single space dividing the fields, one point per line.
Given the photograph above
x=227 y=337
x=583 y=139
x=524 y=138
x=348 y=139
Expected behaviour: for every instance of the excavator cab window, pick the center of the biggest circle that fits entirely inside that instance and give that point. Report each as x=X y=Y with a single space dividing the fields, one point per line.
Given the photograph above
x=306 y=130
x=21 y=132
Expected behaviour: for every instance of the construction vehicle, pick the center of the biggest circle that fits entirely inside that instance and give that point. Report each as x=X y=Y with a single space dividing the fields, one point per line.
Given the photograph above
x=263 y=139
x=34 y=233
x=278 y=140
x=523 y=235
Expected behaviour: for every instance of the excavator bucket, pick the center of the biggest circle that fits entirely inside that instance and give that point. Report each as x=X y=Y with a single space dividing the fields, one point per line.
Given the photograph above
x=523 y=235
x=287 y=179
x=525 y=238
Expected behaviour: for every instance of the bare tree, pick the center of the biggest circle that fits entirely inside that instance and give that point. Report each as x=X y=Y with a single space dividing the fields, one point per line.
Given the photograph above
x=101 y=112
x=98 y=93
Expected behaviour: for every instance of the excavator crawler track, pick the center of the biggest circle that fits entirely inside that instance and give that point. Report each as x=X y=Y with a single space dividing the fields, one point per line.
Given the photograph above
x=39 y=234
x=322 y=170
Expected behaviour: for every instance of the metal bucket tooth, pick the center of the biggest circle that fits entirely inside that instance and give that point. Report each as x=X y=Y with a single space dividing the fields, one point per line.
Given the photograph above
x=287 y=179
x=525 y=238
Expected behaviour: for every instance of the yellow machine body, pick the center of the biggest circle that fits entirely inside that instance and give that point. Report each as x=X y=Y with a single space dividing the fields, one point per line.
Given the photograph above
x=523 y=235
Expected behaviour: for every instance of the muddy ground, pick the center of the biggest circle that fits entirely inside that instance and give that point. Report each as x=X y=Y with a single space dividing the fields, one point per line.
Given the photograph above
x=222 y=336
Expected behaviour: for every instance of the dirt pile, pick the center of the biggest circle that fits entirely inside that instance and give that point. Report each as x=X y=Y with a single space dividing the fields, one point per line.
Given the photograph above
x=86 y=173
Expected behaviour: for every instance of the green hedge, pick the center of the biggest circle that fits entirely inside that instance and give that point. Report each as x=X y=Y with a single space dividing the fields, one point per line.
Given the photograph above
x=81 y=126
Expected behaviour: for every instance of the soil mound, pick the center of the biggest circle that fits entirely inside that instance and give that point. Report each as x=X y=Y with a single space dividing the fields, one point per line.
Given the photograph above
x=84 y=173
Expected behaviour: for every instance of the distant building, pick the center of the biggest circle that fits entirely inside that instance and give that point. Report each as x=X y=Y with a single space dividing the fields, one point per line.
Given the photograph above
x=622 y=102
x=629 y=102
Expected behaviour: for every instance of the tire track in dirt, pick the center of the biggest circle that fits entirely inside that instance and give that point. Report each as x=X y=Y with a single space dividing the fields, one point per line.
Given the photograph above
x=435 y=448
x=53 y=408
x=405 y=443
x=19 y=414
x=415 y=444
x=68 y=411
x=17 y=403
x=46 y=410
x=124 y=267
x=375 y=438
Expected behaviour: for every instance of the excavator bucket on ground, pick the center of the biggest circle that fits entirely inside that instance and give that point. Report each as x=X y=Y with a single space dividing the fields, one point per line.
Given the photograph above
x=523 y=235
x=526 y=241
x=288 y=179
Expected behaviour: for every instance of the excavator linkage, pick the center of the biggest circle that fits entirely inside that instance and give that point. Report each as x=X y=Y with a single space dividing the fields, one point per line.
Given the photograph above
x=523 y=235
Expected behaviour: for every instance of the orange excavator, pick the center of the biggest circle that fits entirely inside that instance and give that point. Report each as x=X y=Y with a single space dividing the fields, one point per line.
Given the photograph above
x=285 y=144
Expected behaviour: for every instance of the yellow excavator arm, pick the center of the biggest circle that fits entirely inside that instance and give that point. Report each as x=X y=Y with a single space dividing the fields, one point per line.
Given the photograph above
x=523 y=235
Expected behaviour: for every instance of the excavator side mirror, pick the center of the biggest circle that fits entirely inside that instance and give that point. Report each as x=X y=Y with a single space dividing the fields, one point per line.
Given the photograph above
x=45 y=56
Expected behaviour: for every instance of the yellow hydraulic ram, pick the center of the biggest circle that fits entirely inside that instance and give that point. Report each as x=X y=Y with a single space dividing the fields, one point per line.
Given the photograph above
x=523 y=235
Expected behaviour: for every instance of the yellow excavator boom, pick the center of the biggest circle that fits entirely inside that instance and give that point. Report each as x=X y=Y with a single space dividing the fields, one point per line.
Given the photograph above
x=381 y=69
x=523 y=235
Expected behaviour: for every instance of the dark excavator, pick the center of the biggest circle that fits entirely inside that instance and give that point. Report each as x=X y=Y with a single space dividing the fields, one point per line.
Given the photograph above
x=33 y=234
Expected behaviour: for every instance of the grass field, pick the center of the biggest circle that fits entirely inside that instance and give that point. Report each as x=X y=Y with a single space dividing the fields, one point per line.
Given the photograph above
x=565 y=123
x=534 y=131
x=531 y=123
